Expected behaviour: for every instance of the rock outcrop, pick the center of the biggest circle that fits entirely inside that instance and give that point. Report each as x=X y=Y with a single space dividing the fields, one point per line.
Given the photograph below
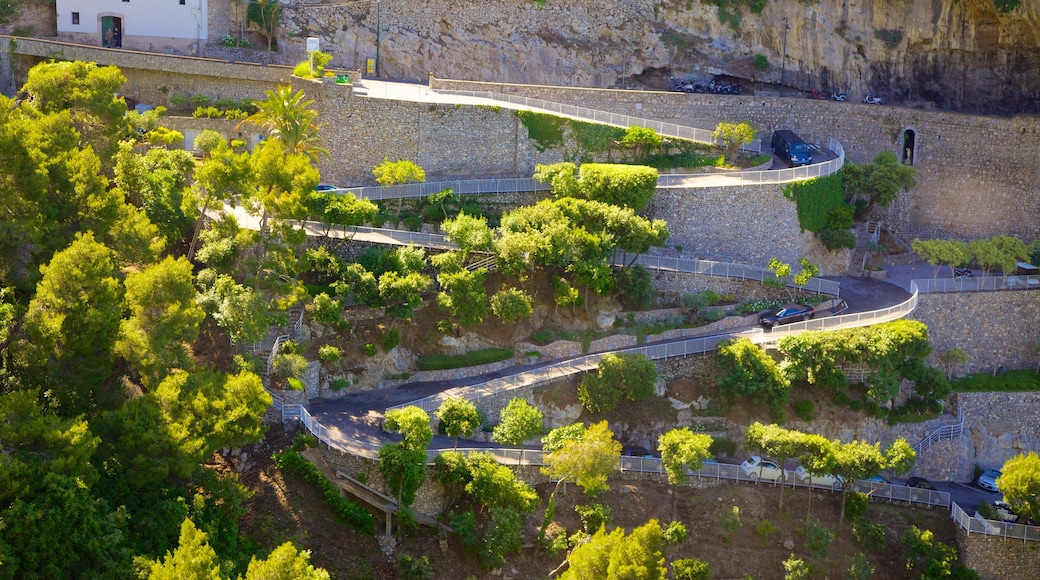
x=958 y=54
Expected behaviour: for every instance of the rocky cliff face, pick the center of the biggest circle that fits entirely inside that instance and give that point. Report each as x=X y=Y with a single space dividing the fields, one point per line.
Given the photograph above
x=959 y=54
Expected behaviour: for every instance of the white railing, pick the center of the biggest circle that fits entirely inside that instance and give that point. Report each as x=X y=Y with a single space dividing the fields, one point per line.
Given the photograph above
x=980 y=284
x=389 y=236
x=768 y=176
x=458 y=187
x=274 y=351
x=941 y=433
x=697 y=345
x=1005 y=530
x=710 y=268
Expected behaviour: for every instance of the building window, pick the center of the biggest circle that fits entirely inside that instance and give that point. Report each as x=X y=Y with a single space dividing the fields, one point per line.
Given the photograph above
x=181 y=2
x=75 y=17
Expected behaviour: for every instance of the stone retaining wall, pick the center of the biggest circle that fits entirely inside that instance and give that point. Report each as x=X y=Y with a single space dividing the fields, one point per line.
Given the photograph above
x=998 y=559
x=995 y=329
x=962 y=161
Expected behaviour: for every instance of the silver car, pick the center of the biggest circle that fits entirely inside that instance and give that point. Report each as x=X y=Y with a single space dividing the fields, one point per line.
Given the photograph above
x=988 y=479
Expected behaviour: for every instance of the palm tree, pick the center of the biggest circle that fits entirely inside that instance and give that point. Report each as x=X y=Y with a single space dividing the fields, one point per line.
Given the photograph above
x=288 y=118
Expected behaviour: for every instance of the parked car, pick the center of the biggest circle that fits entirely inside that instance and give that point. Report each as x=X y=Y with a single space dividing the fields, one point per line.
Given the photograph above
x=790 y=147
x=637 y=451
x=988 y=479
x=1003 y=510
x=786 y=314
x=920 y=483
x=823 y=480
x=758 y=468
x=325 y=187
x=876 y=479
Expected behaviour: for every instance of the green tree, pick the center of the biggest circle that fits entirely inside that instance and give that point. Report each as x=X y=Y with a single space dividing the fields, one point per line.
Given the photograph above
x=777 y=442
x=403 y=469
x=265 y=15
x=492 y=484
x=628 y=186
x=462 y=293
x=511 y=304
x=391 y=173
x=342 y=209
x=879 y=181
x=750 y=372
x=562 y=178
x=413 y=424
x=587 y=461
x=952 y=253
x=402 y=294
x=691 y=569
x=193 y=558
x=459 y=417
x=288 y=118
x=857 y=460
x=626 y=375
x=932 y=558
x=223 y=174
x=1020 y=483
x=519 y=421
x=681 y=448
x=285 y=563
x=164 y=319
x=614 y=556
x=732 y=135
x=158 y=183
x=469 y=233
x=72 y=324
x=640 y=140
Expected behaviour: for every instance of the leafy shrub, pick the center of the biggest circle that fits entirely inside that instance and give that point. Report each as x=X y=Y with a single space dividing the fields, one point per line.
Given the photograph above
x=200 y=100
x=691 y=569
x=543 y=337
x=635 y=287
x=207 y=113
x=339 y=384
x=390 y=339
x=753 y=306
x=329 y=353
x=761 y=62
x=288 y=365
x=411 y=568
x=178 y=101
x=289 y=347
x=413 y=223
x=593 y=516
x=369 y=349
x=302 y=70
x=225 y=103
x=869 y=535
x=855 y=506
x=729 y=522
x=674 y=533
x=354 y=515
x=228 y=40
x=765 y=529
x=803 y=409
x=818 y=539
x=439 y=362
x=860 y=568
x=836 y=239
x=296 y=384
x=465 y=526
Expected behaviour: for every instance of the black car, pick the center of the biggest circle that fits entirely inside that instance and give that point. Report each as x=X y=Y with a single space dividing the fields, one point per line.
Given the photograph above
x=920 y=483
x=786 y=314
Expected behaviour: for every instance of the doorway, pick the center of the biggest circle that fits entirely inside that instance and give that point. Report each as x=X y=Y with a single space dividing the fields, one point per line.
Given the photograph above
x=111 y=31
x=909 y=144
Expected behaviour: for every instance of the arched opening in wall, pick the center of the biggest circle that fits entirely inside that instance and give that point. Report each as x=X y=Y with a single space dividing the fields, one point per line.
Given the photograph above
x=111 y=31
x=909 y=146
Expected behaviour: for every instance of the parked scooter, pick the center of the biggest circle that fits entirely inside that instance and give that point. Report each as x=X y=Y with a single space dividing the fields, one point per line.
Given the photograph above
x=963 y=273
x=818 y=95
x=872 y=100
x=840 y=97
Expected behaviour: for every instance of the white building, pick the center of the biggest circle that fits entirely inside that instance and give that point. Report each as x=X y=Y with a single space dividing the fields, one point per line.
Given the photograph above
x=170 y=26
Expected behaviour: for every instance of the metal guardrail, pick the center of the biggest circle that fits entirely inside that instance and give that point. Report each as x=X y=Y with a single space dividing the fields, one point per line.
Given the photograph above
x=458 y=186
x=768 y=176
x=696 y=345
x=710 y=268
x=980 y=284
x=941 y=433
x=1005 y=530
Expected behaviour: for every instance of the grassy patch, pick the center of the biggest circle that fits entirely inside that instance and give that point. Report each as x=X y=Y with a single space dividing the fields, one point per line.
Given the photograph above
x=1018 y=380
x=817 y=200
x=438 y=362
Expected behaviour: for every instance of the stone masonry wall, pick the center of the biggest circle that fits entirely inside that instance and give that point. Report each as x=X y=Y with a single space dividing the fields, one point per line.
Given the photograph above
x=998 y=559
x=976 y=174
x=994 y=328
x=999 y=426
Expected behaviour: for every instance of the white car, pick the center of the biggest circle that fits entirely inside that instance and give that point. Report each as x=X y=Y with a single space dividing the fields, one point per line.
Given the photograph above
x=758 y=468
x=822 y=480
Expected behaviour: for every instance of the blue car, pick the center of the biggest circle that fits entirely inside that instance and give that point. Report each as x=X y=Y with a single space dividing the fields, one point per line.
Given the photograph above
x=988 y=479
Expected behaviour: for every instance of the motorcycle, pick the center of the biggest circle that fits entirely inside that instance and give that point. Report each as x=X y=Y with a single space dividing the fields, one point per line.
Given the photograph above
x=963 y=273
x=818 y=95
x=872 y=100
x=840 y=97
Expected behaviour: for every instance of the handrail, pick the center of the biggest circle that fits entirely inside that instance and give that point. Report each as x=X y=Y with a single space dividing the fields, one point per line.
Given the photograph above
x=941 y=433
x=696 y=345
x=980 y=284
x=1005 y=530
